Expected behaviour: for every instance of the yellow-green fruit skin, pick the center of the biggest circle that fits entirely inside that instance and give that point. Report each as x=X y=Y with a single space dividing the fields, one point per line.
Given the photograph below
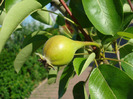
x=59 y=50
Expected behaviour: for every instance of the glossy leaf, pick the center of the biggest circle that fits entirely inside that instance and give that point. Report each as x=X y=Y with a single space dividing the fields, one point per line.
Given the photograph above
x=15 y=16
x=125 y=50
x=42 y=16
x=127 y=64
x=79 y=91
x=2 y=17
x=64 y=79
x=80 y=64
x=37 y=35
x=105 y=39
x=126 y=20
x=105 y=15
x=109 y=82
x=52 y=75
x=34 y=43
x=125 y=34
x=124 y=1
x=129 y=30
x=44 y=2
x=79 y=13
x=60 y=20
x=10 y=3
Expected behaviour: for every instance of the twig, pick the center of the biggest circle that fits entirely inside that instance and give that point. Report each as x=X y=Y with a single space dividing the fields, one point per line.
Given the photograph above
x=129 y=1
x=60 y=15
x=1 y=2
x=96 y=63
x=75 y=20
x=118 y=54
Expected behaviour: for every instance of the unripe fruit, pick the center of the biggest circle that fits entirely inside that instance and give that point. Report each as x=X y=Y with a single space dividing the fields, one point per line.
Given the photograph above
x=59 y=50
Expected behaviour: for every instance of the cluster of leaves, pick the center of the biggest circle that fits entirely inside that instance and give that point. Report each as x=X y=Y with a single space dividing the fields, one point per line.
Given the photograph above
x=19 y=86
x=13 y=85
x=106 y=22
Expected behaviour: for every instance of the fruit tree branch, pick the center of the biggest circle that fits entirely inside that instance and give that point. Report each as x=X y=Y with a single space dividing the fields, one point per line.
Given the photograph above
x=75 y=20
x=129 y=1
x=1 y=2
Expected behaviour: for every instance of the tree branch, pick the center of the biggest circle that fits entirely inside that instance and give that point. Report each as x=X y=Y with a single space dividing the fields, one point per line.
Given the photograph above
x=129 y=1
x=117 y=53
x=75 y=20
x=59 y=6
x=1 y=2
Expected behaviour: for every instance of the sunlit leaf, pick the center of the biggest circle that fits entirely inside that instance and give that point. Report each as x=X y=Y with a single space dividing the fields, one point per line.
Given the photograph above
x=127 y=64
x=80 y=64
x=109 y=82
x=42 y=16
x=15 y=16
x=2 y=16
x=32 y=45
x=10 y=3
x=125 y=34
x=105 y=15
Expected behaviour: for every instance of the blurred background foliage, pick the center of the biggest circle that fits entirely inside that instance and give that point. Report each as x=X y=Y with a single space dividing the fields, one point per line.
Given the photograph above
x=19 y=86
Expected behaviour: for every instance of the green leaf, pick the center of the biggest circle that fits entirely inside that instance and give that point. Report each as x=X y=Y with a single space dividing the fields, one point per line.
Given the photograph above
x=105 y=39
x=124 y=1
x=127 y=64
x=52 y=75
x=109 y=82
x=64 y=79
x=80 y=64
x=125 y=50
x=42 y=16
x=10 y=3
x=35 y=36
x=15 y=16
x=2 y=17
x=126 y=8
x=79 y=91
x=60 y=20
x=34 y=43
x=125 y=34
x=44 y=2
x=126 y=20
x=105 y=15
x=129 y=30
x=79 y=13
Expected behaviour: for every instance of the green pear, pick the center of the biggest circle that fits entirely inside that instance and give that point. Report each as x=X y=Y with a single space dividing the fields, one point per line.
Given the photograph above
x=59 y=50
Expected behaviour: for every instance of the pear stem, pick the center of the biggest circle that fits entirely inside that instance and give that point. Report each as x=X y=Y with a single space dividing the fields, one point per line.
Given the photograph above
x=81 y=54
x=91 y=43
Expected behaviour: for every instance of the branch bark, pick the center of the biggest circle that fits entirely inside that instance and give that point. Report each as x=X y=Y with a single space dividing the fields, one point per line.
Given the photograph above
x=130 y=3
x=75 y=20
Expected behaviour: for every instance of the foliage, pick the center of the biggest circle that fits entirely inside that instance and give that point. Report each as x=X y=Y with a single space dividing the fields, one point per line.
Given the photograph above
x=13 y=85
x=105 y=23
x=19 y=85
